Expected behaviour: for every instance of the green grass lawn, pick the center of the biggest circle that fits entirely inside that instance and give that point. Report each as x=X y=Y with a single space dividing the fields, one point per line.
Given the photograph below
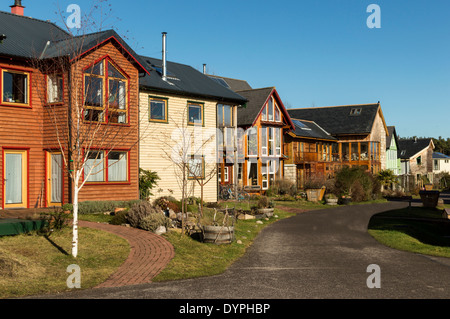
x=32 y=264
x=195 y=259
x=401 y=230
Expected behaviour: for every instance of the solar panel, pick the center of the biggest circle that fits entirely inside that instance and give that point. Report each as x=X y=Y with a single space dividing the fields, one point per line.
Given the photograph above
x=221 y=82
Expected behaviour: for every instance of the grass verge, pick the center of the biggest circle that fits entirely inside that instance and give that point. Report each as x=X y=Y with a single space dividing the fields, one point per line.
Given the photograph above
x=414 y=229
x=196 y=259
x=32 y=264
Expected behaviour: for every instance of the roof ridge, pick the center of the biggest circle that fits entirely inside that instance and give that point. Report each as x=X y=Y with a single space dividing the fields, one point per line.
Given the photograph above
x=35 y=19
x=269 y=87
x=330 y=106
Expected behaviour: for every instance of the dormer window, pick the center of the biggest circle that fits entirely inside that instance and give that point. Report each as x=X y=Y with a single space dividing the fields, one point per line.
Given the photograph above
x=356 y=111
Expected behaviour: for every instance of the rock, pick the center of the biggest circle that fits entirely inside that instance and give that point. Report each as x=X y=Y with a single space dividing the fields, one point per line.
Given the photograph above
x=160 y=230
x=239 y=242
x=259 y=222
x=172 y=214
x=246 y=216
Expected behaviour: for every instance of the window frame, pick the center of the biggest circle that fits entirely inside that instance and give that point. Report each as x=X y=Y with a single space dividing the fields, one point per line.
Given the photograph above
x=202 y=112
x=106 y=166
x=166 y=108
x=194 y=177
x=106 y=60
x=60 y=77
x=28 y=84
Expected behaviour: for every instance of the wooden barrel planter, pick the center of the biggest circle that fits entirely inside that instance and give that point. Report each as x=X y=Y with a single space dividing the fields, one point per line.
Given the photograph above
x=218 y=234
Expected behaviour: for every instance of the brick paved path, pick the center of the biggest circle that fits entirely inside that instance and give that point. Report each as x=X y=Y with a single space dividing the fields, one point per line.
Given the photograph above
x=149 y=254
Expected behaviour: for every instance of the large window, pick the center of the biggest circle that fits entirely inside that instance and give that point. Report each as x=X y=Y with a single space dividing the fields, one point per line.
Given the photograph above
x=110 y=168
x=158 y=109
x=15 y=87
x=271 y=111
x=105 y=89
x=224 y=115
x=252 y=141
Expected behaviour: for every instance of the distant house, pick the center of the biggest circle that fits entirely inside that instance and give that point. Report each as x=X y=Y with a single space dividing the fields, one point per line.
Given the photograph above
x=393 y=162
x=190 y=116
x=309 y=151
x=360 y=131
x=416 y=156
x=441 y=163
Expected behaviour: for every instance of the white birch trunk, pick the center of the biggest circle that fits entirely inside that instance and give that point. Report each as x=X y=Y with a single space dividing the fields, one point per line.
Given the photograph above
x=75 y=217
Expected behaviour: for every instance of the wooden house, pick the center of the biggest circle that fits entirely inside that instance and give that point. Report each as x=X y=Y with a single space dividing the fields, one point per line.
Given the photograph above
x=392 y=160
x=263 y=123
x=192 y=120
x=360 y=135
x=311 y=153
x=45 y=73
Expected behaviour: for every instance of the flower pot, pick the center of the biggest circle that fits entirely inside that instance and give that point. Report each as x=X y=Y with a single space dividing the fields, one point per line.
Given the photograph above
x=331 y=201
x=218 y=234
x=429 y=198
x=315 y=194
x=428 y=187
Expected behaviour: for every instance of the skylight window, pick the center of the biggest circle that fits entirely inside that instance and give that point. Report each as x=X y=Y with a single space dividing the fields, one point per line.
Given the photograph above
x=355 y=111
x=301 y=125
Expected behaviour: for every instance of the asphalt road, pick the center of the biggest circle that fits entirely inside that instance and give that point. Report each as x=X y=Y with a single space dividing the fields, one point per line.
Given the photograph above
x=318 y=254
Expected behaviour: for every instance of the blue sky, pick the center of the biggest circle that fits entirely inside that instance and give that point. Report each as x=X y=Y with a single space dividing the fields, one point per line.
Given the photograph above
x=315 y=52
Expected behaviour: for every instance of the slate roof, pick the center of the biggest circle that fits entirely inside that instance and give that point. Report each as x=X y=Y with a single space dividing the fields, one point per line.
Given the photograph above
x=256 y=99
x=338 y=120
x=185 y=80
x=310 y=129
x=26 y=37
x=437 y=155
x=409 y=147
x=233 y=84
x=32 y=38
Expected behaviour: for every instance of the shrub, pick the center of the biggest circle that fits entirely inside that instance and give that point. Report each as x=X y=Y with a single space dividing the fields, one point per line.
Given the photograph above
x=283 y=187
x=147 y=180
x=263 y=202
x=119 y=218
x=153 y=221
x=92 y=207
x=57 y=220
x=355 y=181
x=138 y=212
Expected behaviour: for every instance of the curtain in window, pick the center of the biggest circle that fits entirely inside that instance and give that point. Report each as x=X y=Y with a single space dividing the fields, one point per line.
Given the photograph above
x=13 y=178
x=117 y=167
x=95 y=161
x=56 y=178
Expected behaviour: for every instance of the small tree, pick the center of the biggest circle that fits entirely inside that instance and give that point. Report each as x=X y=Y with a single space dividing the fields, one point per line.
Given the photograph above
x=83 y=136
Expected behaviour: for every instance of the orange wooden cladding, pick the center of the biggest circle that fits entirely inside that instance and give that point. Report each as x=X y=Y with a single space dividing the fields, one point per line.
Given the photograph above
x=34 y=128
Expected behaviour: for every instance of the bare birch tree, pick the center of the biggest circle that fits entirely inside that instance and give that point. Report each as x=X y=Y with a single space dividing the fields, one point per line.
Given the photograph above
x=77 y=120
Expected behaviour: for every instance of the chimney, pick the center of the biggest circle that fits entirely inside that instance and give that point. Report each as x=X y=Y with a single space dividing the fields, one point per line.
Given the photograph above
x=17 y=8
x=164 y=62
x=204 y=68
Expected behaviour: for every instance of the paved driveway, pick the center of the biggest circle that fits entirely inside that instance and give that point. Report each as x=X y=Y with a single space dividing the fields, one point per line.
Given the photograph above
x=318 y=254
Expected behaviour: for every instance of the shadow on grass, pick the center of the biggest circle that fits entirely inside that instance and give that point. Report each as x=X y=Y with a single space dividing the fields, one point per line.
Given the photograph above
x=423 y=224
